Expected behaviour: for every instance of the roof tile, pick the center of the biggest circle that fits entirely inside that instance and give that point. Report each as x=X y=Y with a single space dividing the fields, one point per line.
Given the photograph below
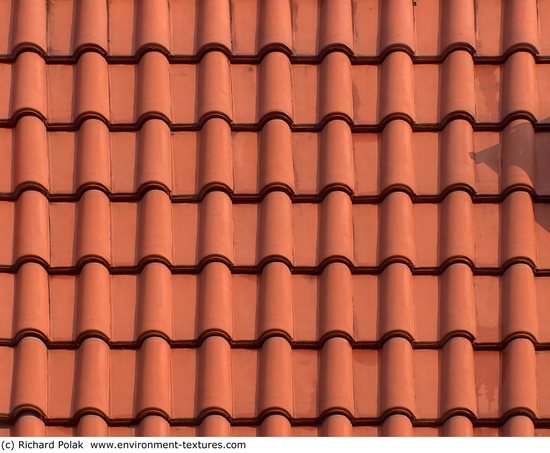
x=186 y=27
x=243 y=93
x=274 y=218
x=247 y=164
x=288 y=373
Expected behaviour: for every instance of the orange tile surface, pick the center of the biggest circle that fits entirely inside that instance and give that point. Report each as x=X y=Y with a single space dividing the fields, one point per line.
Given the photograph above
x=274 y=218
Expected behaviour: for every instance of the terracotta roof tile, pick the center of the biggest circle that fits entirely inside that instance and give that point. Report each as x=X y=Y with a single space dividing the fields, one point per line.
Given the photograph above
x=184 y=384
x=66 y=234
x=275 y=425
x=186 y=28
x=274 y=218
x=246 y=309
x=369 y=95
x=247 y=164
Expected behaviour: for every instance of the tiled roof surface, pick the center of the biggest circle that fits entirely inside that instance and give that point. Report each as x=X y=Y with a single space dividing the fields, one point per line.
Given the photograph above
x=275 y=217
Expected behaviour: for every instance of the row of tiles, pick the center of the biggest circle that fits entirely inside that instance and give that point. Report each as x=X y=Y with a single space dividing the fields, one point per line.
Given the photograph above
x=247 y=309
x=29 y=425
x=122 y=234
x=246 y=93
x=187 y=163
x=304 y=27
x=187 y=383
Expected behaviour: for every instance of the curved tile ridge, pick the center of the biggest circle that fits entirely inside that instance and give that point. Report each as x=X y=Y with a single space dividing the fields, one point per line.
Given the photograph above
x=366 y=310
x=248 y=385
x=249 y=235
x=314 y=59
x=539 y=124
x=241 y=198
x=295 y=344
x=253 y=270
x=213 y=425
x=190 y=29
x=126 y=95
x=249 y=165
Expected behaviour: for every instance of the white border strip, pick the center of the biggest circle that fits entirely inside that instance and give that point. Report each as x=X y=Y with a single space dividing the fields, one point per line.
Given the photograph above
x=273 y=444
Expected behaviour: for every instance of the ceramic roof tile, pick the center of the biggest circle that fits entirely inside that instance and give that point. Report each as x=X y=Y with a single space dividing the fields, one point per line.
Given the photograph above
x=188 y=28
x=427 y=235
x=272 y=425
x=303 y=308
x=187 y=164
x=246 y=383
x=126 y=94
x=229 y=218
